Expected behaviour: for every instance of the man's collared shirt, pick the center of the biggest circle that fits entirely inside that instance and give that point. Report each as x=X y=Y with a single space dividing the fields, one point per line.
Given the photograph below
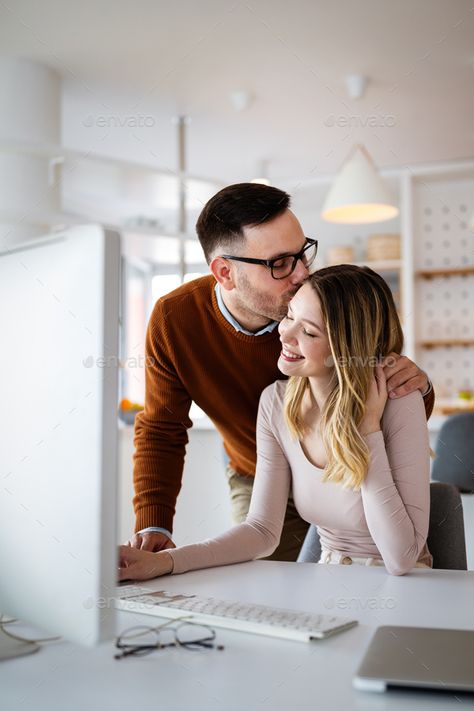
x=228 y=317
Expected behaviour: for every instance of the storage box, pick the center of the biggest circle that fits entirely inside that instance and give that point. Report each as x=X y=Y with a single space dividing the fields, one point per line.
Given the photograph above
x=381 y=247
x=340 y=254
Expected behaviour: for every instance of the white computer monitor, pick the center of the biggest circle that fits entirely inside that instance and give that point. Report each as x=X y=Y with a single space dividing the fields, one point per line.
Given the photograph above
x=59 y=326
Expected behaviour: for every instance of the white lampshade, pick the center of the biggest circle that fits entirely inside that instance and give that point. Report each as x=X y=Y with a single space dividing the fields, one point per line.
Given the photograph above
x=358 y=194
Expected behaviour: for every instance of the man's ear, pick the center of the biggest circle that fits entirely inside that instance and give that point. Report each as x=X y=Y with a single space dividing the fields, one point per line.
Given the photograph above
x=223 y=272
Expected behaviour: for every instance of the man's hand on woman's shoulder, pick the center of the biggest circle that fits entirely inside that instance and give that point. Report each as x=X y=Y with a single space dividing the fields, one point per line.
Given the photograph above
x=403 y=376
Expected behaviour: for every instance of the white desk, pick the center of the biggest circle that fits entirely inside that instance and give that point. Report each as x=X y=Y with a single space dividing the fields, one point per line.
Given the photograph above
x=252 y=672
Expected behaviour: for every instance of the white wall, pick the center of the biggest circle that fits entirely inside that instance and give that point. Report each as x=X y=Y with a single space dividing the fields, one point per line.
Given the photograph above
x=203 y=508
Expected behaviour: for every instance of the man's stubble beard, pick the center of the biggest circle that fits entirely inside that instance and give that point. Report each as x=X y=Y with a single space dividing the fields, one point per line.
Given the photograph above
x=254 y=302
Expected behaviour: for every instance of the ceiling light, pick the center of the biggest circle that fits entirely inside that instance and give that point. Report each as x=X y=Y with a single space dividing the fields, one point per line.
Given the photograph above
x=260 y=181
x=358 y=194
x=356 y=85
x=241 y=99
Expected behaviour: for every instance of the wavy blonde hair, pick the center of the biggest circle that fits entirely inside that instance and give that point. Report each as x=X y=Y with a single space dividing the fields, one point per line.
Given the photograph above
x=362 y=326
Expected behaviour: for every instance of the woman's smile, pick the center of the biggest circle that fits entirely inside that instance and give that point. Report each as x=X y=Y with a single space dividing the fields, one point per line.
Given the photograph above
x=289 y=355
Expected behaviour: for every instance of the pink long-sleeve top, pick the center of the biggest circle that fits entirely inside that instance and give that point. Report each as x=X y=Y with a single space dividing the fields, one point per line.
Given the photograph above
x=387 y=518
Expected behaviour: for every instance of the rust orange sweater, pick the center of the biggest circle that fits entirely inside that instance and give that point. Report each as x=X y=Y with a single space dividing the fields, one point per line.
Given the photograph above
x=194 y=354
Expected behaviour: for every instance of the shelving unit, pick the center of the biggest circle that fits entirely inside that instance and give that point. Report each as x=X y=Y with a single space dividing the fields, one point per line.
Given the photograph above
x=432 y=273
x=446 y=343
x=443 y=279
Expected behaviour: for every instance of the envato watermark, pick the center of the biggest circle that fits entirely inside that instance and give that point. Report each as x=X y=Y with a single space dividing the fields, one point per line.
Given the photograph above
x=116 y=121
x=139 y=361
x=359 y=121
x=101 y=603
x=107 y=603
x=358 y=603
x=360 y=361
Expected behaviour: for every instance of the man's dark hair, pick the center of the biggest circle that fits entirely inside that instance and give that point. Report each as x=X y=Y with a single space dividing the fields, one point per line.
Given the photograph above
x=235 y=207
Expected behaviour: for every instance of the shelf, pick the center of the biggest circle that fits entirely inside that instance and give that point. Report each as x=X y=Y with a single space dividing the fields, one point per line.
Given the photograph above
x=431 y=273
x=44 y=150
x=447 y=343
x=453 y=406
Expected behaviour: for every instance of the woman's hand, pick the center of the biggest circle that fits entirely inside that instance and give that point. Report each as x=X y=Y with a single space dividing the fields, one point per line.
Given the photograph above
x=375 y=404
x=136 y=564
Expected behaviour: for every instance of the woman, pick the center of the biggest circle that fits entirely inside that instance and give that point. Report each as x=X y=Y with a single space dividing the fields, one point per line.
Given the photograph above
x=358 y=463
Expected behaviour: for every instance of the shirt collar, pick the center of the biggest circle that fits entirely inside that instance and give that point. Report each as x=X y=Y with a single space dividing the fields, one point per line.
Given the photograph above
x=228 y=317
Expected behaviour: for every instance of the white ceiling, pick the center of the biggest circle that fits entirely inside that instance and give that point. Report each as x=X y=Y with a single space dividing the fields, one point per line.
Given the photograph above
x=187 y=56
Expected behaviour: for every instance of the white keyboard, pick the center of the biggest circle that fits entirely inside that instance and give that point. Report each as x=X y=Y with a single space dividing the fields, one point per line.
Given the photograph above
x=259 y=619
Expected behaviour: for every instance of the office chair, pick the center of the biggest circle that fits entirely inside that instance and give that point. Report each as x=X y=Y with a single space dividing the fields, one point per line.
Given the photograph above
x=454 y=463
x=446 y=541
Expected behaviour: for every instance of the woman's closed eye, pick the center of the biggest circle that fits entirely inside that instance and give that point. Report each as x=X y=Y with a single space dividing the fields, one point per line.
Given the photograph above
x=289 y=317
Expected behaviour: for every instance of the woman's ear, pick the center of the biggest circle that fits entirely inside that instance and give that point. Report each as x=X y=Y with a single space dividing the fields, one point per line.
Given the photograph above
x=223 y=272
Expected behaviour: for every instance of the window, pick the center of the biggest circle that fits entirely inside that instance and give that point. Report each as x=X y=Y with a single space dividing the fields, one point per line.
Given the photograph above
x=162 y=284
x=151 y=269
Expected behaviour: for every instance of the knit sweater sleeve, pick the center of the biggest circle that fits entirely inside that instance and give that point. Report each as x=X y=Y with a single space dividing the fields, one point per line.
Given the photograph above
x=160 y=431
x=396 y=493
x=429 y=401
x=260 y=534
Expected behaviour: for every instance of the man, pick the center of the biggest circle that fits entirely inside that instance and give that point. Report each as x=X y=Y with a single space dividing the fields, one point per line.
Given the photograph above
x=214 y=341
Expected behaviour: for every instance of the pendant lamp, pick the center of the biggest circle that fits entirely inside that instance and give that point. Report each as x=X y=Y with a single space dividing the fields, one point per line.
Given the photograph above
x=358 y=194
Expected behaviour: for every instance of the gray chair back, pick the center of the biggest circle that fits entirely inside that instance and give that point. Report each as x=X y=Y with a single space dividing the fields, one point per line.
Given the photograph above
x=454 y=463
x=446 y=540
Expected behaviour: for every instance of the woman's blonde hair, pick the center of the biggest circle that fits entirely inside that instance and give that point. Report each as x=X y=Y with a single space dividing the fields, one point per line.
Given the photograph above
x=363 y=326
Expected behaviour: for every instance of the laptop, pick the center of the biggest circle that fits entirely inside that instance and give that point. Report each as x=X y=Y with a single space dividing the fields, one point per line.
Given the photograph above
x=420 y=657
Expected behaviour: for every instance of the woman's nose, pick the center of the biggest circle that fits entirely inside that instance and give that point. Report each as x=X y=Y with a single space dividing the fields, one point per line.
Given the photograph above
x=286 y=331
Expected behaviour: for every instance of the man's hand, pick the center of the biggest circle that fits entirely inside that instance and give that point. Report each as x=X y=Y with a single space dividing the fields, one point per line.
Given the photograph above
x=152 y=541
x=142 y=565
x=403 y=376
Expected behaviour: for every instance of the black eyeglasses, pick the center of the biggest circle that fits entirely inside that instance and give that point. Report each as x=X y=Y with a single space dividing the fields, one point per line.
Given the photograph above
x=142 y=640
x=282 y=267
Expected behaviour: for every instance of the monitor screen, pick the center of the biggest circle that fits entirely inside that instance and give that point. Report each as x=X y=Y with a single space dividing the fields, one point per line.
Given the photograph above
x=59 y=325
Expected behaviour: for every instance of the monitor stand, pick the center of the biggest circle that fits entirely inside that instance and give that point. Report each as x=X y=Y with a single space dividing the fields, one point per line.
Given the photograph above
x=11 y=647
